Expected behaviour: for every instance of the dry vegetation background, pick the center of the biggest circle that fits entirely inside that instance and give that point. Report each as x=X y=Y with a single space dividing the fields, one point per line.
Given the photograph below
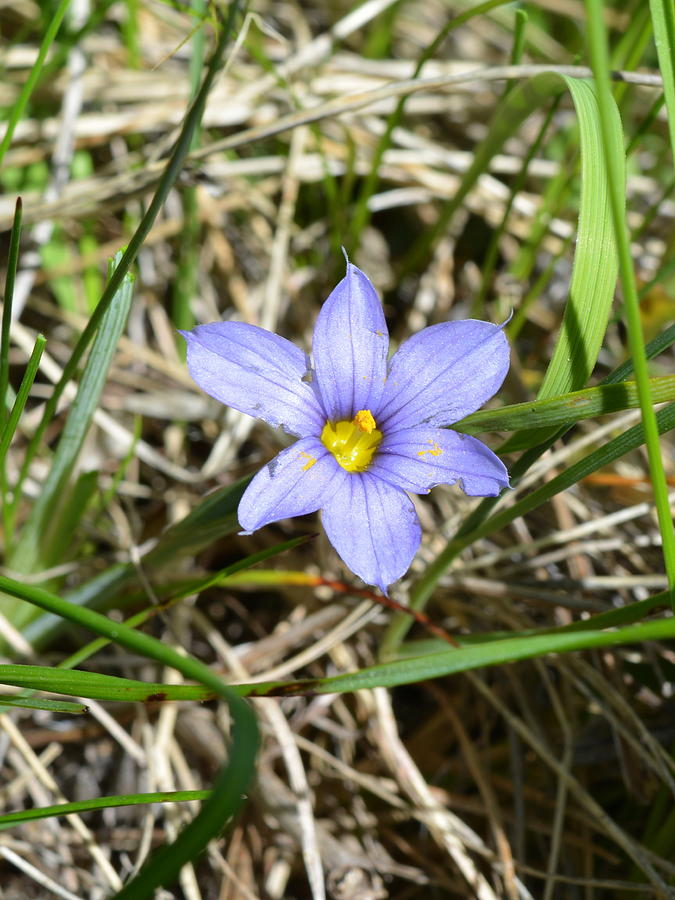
x=542 y=779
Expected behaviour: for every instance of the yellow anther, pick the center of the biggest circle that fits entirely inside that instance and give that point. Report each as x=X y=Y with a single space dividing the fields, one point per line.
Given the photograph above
x=353 y=444
x=364 y=421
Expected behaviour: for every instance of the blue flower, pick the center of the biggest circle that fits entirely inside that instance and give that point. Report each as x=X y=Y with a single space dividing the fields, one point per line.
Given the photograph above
x=370 y=430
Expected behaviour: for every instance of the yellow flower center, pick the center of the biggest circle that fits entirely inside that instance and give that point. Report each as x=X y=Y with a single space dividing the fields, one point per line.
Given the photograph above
x=353 y=443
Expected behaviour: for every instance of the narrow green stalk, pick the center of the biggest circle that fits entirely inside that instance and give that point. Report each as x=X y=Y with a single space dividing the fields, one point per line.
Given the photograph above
x=8 y=433
x=54 y=23
x=187 y=271
x=21 y=397
x=10 y=278
x=663 y=25
x=597 y=38
x=173 y=168
x=519 y=27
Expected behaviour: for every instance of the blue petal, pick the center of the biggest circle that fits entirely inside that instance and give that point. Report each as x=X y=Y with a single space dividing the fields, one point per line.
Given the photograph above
x=256 y=372
x=300 y=480
x=374 y=528
x=442 y=374
x=415 y=459
x=350 y=348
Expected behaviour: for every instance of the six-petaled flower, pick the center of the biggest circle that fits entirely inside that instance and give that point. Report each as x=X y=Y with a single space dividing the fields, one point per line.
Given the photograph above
x=370 y=430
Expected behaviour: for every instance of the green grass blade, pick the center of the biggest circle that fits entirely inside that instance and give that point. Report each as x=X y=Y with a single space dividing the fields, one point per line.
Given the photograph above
x=10 y=426
x=95 y=686
x=597 y=39
x=54 y=23
x=10 y=820
x=214 y=518
x=40 y=535
x=663 y=25
x=166 y=182
x=231 y=783
x=592 y=285
x=566 y=409
x=10 y=278
x=464 y=659
x=53 y=706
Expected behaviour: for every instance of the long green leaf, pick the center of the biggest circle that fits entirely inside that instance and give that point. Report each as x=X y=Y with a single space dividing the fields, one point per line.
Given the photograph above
x=231 y=784
x=597 y=42
x=451 y=662
x=95 y=686
x=10 y=820
x=32 y=550
x=10 y=280
x=663 y=25
x=565 y=409
x=54 y=706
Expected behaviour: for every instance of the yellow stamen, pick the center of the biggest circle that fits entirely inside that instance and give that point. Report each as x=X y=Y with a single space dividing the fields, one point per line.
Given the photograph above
x=365 y=421
x=354 y=443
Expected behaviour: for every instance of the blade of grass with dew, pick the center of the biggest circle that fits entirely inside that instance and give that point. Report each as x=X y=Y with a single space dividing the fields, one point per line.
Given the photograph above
x=597 y=40
x=565 y=409
x=53 y=24
x=11 y=820
x=170 y=174
x=39 y=538
x=231 y=783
